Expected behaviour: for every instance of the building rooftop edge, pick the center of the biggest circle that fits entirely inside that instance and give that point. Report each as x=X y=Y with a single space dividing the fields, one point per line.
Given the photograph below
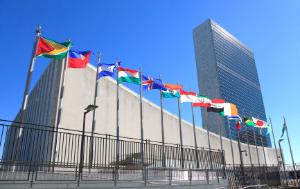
x=216 y=24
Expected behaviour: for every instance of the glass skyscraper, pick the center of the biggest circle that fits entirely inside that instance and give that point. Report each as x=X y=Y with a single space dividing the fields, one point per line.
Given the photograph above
x=226 y=69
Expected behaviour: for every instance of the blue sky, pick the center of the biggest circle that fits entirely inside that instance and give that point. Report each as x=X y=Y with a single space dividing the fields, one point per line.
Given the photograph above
x=157 y=35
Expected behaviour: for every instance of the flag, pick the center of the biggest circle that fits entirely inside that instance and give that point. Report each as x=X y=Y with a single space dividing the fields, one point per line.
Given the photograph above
x=158 y=84
x=173 y=87
x=129 y=76
x=169 y=93
x=259 y=123
x=106 y=70
x=217 y=105
x=202 y=101
x=230 y=110
x=269 y=129
x=238 y=126
x=248 y=121
x=187 y=96
x=78 y=59
x=218 y=101
x=147 y=82
x=235 y=118
x=52 y=49
x=283 y=129
x=150 y=83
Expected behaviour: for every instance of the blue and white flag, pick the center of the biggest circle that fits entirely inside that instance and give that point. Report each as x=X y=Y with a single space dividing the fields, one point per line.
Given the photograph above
x=237 y=117
x=106 y=69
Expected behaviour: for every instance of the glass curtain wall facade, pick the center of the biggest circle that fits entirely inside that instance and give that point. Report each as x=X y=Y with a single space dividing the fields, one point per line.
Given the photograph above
x=226 y=69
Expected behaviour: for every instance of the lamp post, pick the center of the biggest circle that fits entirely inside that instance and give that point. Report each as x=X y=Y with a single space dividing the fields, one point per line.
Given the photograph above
x=88 y=109
x=282 y=160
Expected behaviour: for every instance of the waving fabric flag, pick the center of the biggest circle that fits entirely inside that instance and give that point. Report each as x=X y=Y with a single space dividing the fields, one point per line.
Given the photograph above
x=78 y=59
x=248 y=121
x=269 y=129
x=52 y=49
x=230 y=110
x=187 y=96
x=173 y=87
x=152 y=83
x=169 y=93
x=218 y=101
x=217 y=105
x=283 y=128
x=147 y=82
x=158 y=84
x=238 y=126
x=202 y=101
x=106 y=70
x=259 y=123
x=218 y=108
x=129 y=76
x=235 y=118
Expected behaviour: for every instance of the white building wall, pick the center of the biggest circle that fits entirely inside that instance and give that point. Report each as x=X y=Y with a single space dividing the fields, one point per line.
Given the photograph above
x=79 y=92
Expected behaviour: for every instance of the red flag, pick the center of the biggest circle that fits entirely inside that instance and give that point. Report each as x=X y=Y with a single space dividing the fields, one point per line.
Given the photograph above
x=78 y=59
x=201 y=104
x=43 y=46
x=238 y=126
x=218 y=100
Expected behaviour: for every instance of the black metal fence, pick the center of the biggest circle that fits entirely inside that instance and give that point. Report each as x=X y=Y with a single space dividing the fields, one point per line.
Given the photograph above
x=32 y=152
x=38 y=144
x=38 y=152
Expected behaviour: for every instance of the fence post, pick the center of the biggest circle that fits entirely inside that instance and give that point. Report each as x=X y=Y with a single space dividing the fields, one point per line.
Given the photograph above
x=115 y=176
x=170 y=176
x=146 y=175
x=105 y=151
x=78 y=176
x=190 y=176
x=31 y=180
x=207 y=176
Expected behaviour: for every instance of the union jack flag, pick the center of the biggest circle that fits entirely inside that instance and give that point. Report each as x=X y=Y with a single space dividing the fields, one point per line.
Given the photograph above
x=147 y=82
x=150 y=83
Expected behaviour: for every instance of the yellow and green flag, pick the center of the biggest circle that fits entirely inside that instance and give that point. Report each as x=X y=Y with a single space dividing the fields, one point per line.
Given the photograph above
x=52 y=49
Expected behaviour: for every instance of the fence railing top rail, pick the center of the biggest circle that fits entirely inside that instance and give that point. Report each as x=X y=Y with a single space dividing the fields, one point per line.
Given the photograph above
x=39 y=127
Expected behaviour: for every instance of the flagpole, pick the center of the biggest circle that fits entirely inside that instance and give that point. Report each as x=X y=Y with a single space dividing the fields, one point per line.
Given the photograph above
x=27 y=87
x=283 y=163
x=257 y=154
x=291 y=152
x=162 y=128
x=274 y=139
x=141 y=120
x=195 y=137
x=94 y=111
x=250 y=156
x=221 y=144
x=117 y=129
x=263 y=146
x=241 y=157
x=180 y=132
x=60 y=96
x=29 y=74
x=229 y=130
x=208 y=139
